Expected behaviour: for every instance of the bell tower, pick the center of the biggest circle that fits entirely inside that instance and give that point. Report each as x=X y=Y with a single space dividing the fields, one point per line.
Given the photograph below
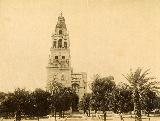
x=59 y=65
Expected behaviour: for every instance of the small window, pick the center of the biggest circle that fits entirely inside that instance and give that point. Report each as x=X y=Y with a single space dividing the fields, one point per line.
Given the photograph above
x=56 y=57
x=60 y=31
x=63 y=57
x=65 y=44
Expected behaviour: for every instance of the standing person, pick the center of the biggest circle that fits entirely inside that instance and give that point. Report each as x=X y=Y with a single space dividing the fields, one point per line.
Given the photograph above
x=87 y=112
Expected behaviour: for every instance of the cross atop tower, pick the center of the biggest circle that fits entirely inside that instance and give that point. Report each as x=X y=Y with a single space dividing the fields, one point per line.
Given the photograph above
x=61 y=14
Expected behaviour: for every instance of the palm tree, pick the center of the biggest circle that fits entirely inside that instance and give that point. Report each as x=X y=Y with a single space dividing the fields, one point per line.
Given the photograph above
x=140 y=81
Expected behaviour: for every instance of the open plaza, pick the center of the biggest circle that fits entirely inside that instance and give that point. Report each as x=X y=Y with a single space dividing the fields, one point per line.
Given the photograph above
x=83 y=117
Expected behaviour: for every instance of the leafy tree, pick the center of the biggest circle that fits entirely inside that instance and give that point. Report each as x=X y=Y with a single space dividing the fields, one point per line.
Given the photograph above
x=2 y=98
x=15 y=103
x=61 y=98
x=19 y=98
x=55 y=89
x=102 y=91
x=40 y=104
x=123 y=102
x=148 y=101
x=157 y=104
x=85 y=103
x=75 y=101
x=29 y=106
x=64 y=100
x=8 y=107
x=140 y=82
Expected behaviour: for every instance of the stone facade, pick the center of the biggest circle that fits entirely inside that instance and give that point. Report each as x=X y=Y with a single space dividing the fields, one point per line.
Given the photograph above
x=59 y=66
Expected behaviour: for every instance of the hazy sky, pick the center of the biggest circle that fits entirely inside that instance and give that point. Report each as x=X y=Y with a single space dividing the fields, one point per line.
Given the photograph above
x=107 y=37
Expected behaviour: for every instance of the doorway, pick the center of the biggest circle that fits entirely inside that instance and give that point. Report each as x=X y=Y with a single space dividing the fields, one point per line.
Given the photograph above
x=75 y=102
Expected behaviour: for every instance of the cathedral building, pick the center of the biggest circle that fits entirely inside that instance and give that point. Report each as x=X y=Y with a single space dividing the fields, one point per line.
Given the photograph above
x=59 y=66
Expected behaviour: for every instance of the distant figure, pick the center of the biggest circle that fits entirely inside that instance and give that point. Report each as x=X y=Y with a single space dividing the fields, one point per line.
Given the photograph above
x=96 y=115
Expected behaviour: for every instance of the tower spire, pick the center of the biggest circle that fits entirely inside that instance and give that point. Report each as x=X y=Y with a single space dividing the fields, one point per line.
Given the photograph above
x=61 y=22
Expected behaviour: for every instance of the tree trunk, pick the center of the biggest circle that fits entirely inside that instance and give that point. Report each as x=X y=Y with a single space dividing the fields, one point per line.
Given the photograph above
x=38 y=118
x=18 y=116
x=84 y=111
x=63 y=114
x=130 y=113
x=148 y=113
x=55 y=115
x=105 y=115
x=52 y=113
x=59 y=114
x=95 y=111
x=137 y=106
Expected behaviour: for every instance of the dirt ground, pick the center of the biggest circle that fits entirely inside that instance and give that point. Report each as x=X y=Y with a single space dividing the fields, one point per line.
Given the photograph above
x=85 y=118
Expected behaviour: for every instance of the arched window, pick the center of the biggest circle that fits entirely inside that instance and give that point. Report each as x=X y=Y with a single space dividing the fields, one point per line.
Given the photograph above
x=60 y=31
x=54 y=44
x=75 y=87
x=65 y=44
x=60 y=43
